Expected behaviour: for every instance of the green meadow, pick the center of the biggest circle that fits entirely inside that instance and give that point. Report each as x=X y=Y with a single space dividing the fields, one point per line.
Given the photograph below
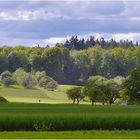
x=61 y=117
x=115 y=134
x=55 y=117
x=17 y=93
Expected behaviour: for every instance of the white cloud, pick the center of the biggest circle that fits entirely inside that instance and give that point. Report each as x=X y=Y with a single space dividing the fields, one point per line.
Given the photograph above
x=124 y=36
x=54 y=40
x=117 y=37
x=7 y=16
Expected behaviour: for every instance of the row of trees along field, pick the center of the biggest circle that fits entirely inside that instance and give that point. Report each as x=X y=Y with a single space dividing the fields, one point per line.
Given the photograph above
x=97 y=89
x=100 y=89
x=73 y=66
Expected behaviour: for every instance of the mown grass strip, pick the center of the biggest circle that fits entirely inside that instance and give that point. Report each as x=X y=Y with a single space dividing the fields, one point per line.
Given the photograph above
x=72 y=135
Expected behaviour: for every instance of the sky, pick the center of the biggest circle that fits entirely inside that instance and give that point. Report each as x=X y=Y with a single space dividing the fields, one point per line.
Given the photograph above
x=47 y=22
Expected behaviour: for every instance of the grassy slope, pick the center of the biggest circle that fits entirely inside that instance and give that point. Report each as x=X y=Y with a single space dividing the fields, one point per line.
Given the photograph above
x=72 y=135
x=19 y=94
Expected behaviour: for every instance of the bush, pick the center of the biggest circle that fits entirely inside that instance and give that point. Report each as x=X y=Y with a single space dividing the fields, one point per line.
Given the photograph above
x=8 y=81
x=40 y=75
x=20 y=75
x=2 y=99
x=48 y=82
x=0 y=84
x=6 y=74
x=52 y=85
x=29 y=81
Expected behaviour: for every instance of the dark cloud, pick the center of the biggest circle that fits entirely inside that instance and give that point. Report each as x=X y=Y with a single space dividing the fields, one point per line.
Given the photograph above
x=45 y=19
x=44 y=29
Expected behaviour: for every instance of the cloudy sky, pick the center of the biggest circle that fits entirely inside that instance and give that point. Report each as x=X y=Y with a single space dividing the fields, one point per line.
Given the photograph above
x=48 y=22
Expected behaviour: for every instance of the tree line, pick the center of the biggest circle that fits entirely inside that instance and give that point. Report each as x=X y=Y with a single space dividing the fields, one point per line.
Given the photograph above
x=107 y=91
x=74 y=43
x=71 y=66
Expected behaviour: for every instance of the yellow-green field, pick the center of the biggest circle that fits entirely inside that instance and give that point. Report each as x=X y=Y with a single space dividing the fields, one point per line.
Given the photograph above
x=19 y=94
x=115 y=134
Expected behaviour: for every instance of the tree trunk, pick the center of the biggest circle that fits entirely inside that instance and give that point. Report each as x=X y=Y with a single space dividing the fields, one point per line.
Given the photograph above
x=77 y=102
x=95 y=102
x=74 y=101
x=103 y=103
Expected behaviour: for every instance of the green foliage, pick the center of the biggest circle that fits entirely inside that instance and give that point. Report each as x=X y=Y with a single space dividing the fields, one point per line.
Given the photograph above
x=71 y=66
x=111 y=91
x=25 y=79
x=37 y=62
x=8 y=81
x=6 y=74
x=48 y=82
x=52 y=85
x=93 y=92
x=102 y=90
x=19 y=75
x=3 y=62
x=95 y=89
x=3 y=100
x=132 y=86
x=55 y=61
x=29 y=81
x=40 y=75
x=75 y=94
x=17 y=59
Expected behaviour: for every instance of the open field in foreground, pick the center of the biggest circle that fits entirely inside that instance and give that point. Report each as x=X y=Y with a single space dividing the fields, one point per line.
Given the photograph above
x=72 y=135
x=56 y=117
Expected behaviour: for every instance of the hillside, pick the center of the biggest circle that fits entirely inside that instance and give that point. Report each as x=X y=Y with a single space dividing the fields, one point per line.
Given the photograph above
x=20 y=94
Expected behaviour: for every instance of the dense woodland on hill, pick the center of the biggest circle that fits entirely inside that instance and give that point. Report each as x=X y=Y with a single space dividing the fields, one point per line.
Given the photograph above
x=75 y=60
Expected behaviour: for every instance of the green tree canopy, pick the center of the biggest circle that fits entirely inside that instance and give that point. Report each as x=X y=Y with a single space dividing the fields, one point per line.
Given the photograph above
x=75 y=94
x=132 y=86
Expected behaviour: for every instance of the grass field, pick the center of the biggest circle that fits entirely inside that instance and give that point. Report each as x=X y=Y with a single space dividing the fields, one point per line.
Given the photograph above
x=20 y=94
x=72 y=135
x=56 y=117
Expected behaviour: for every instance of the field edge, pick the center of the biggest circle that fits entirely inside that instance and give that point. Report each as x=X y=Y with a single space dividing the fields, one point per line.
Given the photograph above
x=93 y=134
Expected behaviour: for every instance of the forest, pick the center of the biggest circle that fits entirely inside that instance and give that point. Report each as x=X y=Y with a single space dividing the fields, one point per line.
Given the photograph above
x=70 y=65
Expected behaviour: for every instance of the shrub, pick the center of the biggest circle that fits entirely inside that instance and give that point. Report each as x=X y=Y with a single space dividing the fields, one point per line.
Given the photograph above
x=6 y=74
x=40 y=75
x=8 y=81
x=29 y=81
x=2 y=99
x=48 y=82
x=20 y=75
x=52 y=85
